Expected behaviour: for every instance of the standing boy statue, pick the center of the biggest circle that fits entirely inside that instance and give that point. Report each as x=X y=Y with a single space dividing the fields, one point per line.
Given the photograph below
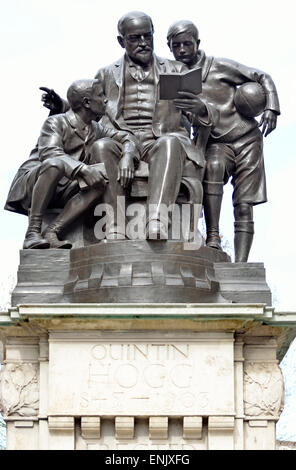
x=235 y=146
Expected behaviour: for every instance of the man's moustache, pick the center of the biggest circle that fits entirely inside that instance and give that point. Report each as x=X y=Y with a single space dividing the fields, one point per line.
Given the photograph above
x=144 y=49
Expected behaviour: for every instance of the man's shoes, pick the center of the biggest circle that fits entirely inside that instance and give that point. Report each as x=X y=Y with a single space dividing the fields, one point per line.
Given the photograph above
x=54 y=242
x=156 y=230
x=34 y=240
x=214 y=241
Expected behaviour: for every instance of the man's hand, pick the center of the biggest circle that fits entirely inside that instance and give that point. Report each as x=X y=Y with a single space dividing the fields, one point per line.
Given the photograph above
x=92 y=176
x=126 y=170
x=268 y=122
x=189 y=102
x=51 y=100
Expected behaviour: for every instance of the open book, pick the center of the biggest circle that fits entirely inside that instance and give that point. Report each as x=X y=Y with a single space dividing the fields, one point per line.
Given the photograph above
x=171 y=83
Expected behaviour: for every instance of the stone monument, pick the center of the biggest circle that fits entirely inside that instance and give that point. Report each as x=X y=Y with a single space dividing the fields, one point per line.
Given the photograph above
x=127 y=329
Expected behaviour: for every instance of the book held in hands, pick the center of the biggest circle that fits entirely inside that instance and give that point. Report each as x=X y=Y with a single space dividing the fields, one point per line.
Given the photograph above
x=171 y=83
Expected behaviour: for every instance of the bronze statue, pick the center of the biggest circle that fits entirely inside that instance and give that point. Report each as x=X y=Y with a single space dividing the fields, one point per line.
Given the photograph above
x=235 y=145
x=125 y=138
x=137 y=126
x=68 y=146
x=131 y=87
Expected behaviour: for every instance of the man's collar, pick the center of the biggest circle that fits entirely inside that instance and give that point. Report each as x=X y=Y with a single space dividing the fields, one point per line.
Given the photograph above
x=85 y=131
x=75 y=120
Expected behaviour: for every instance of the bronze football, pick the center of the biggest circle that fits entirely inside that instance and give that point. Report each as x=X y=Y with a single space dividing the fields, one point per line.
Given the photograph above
x=250 y=99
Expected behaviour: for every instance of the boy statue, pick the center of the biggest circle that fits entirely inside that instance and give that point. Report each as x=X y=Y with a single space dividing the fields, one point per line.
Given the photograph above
x=68 y=149
x=235 y=145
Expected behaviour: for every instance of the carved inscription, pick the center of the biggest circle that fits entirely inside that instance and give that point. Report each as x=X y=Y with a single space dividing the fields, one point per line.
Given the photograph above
x=139 y=374
x=149 y=378
x=132 y=352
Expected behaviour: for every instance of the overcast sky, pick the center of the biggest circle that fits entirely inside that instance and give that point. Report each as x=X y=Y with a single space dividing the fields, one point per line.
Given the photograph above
x=54 y=43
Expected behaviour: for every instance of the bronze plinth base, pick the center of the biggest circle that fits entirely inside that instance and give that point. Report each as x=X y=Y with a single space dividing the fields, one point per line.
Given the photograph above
x=124 y=271
x=143 y=271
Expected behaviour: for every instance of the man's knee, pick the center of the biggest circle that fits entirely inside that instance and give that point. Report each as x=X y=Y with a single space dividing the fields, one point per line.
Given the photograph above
x=168 y=141
x=55 y=163
x=103 y=148
x=102 y=144
x=169 y=147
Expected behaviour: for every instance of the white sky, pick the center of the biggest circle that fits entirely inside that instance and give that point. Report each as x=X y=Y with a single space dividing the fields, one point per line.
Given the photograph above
x=54 y=43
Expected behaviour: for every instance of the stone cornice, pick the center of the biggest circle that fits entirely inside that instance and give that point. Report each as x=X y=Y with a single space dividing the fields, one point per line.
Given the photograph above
x=147 y=310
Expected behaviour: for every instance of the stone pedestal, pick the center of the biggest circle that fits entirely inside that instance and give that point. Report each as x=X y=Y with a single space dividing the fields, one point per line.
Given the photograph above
x=143 y=376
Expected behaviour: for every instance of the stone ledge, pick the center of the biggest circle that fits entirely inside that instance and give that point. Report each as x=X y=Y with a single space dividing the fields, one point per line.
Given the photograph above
x=187 y=311
x=148 y=310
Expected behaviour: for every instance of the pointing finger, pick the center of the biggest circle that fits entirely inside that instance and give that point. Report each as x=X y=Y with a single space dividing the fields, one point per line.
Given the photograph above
x=43 y=88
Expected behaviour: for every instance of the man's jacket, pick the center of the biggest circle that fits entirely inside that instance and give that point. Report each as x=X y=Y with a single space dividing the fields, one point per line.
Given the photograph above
x=167 y=119
x=62 y=135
